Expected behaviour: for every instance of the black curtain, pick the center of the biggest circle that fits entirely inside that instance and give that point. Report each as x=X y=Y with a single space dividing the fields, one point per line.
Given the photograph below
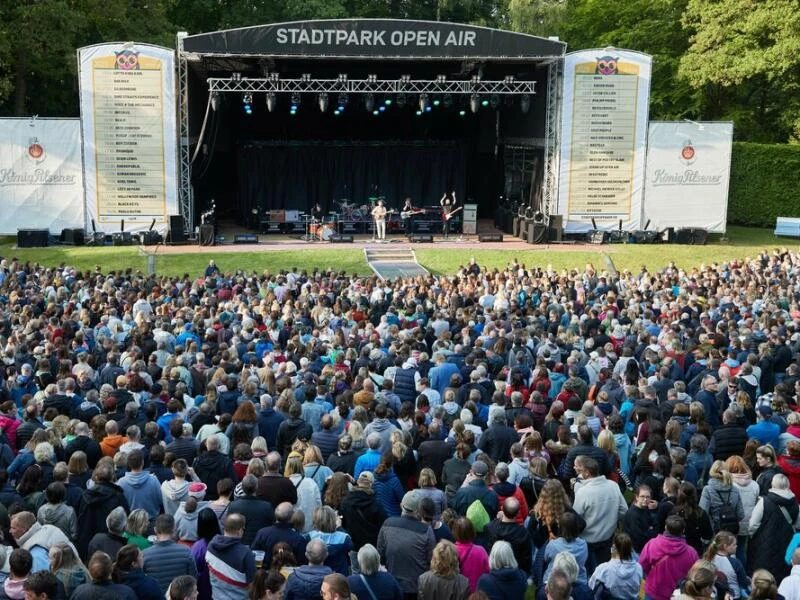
x=286 y=176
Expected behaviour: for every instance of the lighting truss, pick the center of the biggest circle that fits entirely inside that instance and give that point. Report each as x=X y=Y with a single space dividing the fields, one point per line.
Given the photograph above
x=370 y=85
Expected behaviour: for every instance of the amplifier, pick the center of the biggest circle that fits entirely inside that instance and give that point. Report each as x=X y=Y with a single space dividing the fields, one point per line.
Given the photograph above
x=122 y=238
x=32 y=238
x=150 y=238
x=339 y=238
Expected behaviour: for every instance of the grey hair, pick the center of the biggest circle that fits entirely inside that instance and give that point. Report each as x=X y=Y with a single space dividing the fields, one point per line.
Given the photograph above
x=466 y=416
x=117 y=520
x=374 y=440
x=501 y=471
x=502 y=556
x=780 y=482
x=369 y=561
x=316 y=551
x=249 y=484
x=43 y=452
x=566 y=563
x=266 y=401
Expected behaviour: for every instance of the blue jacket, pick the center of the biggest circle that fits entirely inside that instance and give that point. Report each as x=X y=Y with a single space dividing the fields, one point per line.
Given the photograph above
x=144 y=586
x=164 y=561
x=339 y=546
x=389 y=492
x=268 y=422
x=504 y=584
x=367 y=462
x=382 y=583
x=305 y=582
x=765 y=432
x=142 y=490
x=230 y=567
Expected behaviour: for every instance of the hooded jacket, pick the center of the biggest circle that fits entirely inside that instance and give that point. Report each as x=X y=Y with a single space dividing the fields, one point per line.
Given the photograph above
x=385 y=428
x=211 y=467
x=791 y=467
x=142 y=490
x=748 y=493
x=45 y=536
x=144 y=586
x=173 y=492
x=772 y=526
x=231 y=566
x=96 y=503
x=305 y=582
x=665 y=560
x=514 y=534
x=715 y=495
x=362 y=516
x=186 y=524
x=504 y=584
x=60 y=515
x=622 y=578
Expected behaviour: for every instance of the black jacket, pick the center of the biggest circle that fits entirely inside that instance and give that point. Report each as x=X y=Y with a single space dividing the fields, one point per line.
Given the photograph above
x=497 y=440
x=640 y=524
x=362 y=517
x=586 y=450
x=514 y=534
x=432 y=454
x=728 y=440
x=765 y=550
x=85 y=444
x=258 y=514
x=210 y=467
x=290 y=430
x=276 y=489
x=280 y=532
x=343 y=463
x=96 y=503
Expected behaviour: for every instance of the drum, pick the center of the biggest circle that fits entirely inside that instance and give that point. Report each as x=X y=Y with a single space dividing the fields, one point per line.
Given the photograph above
x=327 y=231
x=316 y=229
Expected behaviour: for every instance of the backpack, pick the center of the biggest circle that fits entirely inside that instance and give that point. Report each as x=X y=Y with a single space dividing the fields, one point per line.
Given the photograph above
x=726 y=519
x=477 y=515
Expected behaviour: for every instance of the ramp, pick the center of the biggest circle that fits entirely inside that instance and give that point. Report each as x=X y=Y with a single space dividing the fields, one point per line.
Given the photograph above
x=391 y=263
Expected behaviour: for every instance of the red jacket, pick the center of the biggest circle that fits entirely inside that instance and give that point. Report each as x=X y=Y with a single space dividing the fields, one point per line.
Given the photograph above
x=791 y=466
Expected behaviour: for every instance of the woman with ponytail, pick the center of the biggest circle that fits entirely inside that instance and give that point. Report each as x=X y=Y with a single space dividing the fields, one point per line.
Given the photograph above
x=764 y=586
x=722 y=552
x=720 y=499
x=699 y=583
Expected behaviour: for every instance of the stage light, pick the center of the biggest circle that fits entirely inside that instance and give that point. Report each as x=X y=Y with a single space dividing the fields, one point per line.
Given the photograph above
x=342 y=78
x=247 y=104
x=381 y=108
x=484 y=103
x=323 y=101
x=495 y=101
x=525 y=103
x=419 y=112
x=441 y=79
x=405 y=79
x=474 y=103
x=476 y=79
x=388 y=102
x=336 y=112
x=428 y=109
x=372 y=78
x=236 y=76
x=274 y=77
x=462 y=112
x=369 y=102
x=272 y=100
x=216 y=100
x=423 y=101
x=437 y=102
x=305 y=77
x=376 y=112
x=295 y=100
x=341 y=102
x=509 y=79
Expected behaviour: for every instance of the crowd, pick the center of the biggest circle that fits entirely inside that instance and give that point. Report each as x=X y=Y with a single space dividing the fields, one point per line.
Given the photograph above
x=490 y=434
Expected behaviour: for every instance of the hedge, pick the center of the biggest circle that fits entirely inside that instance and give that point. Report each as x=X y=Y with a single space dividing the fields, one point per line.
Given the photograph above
x=765 y=183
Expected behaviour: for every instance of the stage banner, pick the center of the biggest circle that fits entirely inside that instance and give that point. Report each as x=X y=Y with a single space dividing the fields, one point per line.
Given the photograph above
x=129 y=131
x=688 y=170
x=41 y=184
x=603 y=139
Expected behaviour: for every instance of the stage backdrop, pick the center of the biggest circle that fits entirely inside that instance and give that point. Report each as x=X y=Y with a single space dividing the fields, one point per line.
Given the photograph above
x=128 y=119
x=296 y=175
x=688 y=169
x=603 y=137
x=41 y=184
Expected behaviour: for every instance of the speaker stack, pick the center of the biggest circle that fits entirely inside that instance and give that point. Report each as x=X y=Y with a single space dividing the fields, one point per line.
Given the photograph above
x=207 y=235
x=694 y=236
x=177 y=234
x=73 y=236
x=32 y=238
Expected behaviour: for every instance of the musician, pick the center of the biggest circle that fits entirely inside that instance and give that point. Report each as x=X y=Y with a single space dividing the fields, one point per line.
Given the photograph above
x=448 y=204
x=379 y=215
x=316 y=213
x=408 y=208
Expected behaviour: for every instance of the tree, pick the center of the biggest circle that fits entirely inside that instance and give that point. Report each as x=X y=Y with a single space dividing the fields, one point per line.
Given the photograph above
x=746 y=57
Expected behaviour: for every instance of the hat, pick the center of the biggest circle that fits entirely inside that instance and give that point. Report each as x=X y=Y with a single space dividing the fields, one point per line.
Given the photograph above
x=410 y=501
x=479 y=468
x=197 y=490
x=765 y=410
x=365 y=480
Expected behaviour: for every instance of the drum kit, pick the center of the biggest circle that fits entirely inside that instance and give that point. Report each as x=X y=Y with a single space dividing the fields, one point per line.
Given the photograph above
x=348 y=212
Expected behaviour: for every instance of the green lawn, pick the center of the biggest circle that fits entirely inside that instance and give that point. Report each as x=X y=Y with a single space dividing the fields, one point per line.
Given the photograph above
x=739 y=242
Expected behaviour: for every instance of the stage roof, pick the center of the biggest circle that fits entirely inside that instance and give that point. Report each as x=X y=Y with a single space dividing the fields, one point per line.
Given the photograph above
x=374 y=39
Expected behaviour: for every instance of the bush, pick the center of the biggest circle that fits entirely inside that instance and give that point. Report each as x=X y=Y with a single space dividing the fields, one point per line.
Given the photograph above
x=765 y=182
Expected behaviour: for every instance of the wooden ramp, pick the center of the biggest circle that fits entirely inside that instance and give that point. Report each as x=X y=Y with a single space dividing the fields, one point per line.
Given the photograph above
x=391 y=263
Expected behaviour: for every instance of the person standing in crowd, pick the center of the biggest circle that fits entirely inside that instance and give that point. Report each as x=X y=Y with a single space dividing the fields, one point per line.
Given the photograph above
x=166 y=559
x=305 y=582
x=231 y=565
x=666 y=559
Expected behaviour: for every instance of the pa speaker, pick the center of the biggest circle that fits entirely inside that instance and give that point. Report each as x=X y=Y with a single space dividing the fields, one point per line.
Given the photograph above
x=537 y=233
x=207 y=235
x=74 y=236
x=245 y=238
x=421 y=238
x=150 y=238
x=177 y=234
x=490 y=237
x=667 y=235
x=691 y=235
x=32 y=238
x=341 y=238
x=122 y=238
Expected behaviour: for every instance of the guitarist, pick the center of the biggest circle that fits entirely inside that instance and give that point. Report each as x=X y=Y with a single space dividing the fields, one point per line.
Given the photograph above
x=408 y=212
x=448 y=204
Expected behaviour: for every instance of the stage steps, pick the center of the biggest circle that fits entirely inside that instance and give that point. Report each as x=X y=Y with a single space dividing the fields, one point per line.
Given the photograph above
x=391 y=263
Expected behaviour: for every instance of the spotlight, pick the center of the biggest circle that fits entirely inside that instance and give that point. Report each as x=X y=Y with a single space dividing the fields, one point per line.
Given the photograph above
x=271 y=101
x=388 y=101
x=369 y=101
x=381 y=108
x=461 y=113
x=476 y=79
x=247 y=104
x=495 y=101
x=405 y=79
x=423 y=101
x=236 y=76
x=484 y=103
x=419 y=112
x=336 y=112
x=295 y=100
x=509 y=79
x=216 y=100
x=305 y=77
x=376 y=112
x=342 y=78
x=428 y=109
x=372 y=79
x=525 y=103
x=323 y=101
x=474 y=103
x=341 y=102
x=441 y=78
x=274 y=77
x=437 y=102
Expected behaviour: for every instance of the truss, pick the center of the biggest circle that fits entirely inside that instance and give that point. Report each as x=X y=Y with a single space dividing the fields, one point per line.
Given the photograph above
x=367 y=86
x=185 y=197
x=551 y=141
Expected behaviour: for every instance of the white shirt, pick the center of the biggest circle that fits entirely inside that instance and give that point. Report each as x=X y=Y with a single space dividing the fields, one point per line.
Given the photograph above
x=790 y=586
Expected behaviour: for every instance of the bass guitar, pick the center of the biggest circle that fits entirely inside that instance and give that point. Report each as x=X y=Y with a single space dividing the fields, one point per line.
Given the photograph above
x=447 y=215
x=410 y=213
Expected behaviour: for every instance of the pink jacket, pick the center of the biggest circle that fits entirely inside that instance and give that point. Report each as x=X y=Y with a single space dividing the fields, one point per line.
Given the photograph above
x=474 y=562
x=10 y=426
x=665 y=561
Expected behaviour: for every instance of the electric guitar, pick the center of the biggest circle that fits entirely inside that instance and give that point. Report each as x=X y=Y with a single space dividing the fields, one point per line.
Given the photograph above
x=447 y=215
x=410 y=213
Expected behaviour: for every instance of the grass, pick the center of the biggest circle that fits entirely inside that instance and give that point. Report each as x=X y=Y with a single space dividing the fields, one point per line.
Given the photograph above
x=739 y=242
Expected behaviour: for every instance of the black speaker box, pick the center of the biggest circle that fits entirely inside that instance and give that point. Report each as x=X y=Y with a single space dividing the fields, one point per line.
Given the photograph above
x=74 y=236
x=150 y=238
x=598 y=237
x=490 y=237
x=207 y=235
x=245 y=238
x=177 y=235
x=32 y=238
x=339 y=238
x=537 y=233
x=122 y=238
x=421 y=238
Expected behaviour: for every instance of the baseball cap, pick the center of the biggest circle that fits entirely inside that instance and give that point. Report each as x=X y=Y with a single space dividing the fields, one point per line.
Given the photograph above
x=410 y=501
x=479 y=468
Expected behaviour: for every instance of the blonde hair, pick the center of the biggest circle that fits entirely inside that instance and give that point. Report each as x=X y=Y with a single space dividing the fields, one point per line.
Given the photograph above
x=718 y=471
x=444 y=561
x=606 y=441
